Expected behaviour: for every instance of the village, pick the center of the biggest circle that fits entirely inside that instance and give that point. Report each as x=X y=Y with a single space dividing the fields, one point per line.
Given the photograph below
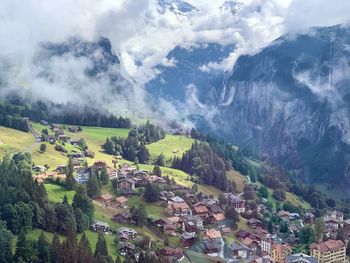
x=194 y=222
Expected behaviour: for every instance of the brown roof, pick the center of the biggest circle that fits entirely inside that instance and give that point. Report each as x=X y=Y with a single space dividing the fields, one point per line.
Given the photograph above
x=247 y=241
x=121 y=199
x=106 y=197
x=219 y=217
x=212 y=233
x=201 y=209
x=182 y=206
x=328 y=246
x=281 y=248
x=173 y=219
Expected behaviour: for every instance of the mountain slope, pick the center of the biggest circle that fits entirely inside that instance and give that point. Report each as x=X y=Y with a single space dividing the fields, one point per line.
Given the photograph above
x=291 y=102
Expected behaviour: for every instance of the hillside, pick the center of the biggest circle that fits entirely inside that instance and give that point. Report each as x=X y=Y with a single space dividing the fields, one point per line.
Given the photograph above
x=12 y=141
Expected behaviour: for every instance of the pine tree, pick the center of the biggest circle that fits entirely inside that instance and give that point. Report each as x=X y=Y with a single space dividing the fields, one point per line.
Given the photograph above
x=5 y=244
x=84 y=253
x=101 y=252
x=43 y=247
x=93 y=186
x=118 y=260
x=104 y=177
x=55 y=250
x=157 y=171
x=70 y=181
x=65 y=200
x=22 y=252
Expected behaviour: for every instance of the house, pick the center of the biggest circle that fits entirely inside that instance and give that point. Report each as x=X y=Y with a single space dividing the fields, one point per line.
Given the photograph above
x=63 y=138
x=129 y=233
x=99 y=226
x=192 y=223
x=279 y=252
x=329 y=251
x=176 y=199
x=332 y=222
x=336 y=215
x=300 y=258
x=173 y=254
x=251 y=243
x=82 y=175
x=179 y=209
x=104 y=199
x=74 y=142
x=89 y=154
x=237 y=202
x=200 y=209
x=124 y=217
x=219 y=218
x=39 y=168
x=126 y=183
x=240 y=252
x=215 y=209
x=264 y=259
x=121 y=201
x=212 y=234
x=242 y=234
x=187 y=239
x=44 y=122
x=126 y=248
x=254 y=223
x=166 y=195
x=309 y=218
x=73 y=129
x=212 y=247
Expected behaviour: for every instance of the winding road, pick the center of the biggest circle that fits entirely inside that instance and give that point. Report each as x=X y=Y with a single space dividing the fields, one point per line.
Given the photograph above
x=37 y=138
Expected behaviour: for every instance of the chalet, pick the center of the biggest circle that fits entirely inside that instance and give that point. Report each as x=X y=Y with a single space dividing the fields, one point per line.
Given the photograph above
x=124 y=217
x=174 y=220
x=212 y=247
x=226 y=230
x=58 y=131
x=50 y=138
x=178 y=209
x=172 y=254
x=127 y=232
x=126 y=248
x=126 y=183
x=99 y=227
x=237 y=202
x=300 y=258
x=192 y=223
x=251 y=243
x=74 y=142
x=82 y=175
x=200 y=209
x=284 y=215
x=219 y=218
x=127 y=192
x=76 y=155
x=61 y=168
x=161 y=222
x=215 y=209
x=39 y=168
x=166 y=195
x=89 y=154
x=254 y=223
x=112 y=173
x=242 y=234
x=187 y=239
x=212 y=234
x=332 y=222
x=63 y=138
x=121 y=201
x=73 y=129
x=169 y=229
x=239 y=252
x=335 y=215
x=44 y=122
x=104 y=199
x=99 y=165
x=153 y=179
x=176 y=199
x=309 y=218
x=264 y=259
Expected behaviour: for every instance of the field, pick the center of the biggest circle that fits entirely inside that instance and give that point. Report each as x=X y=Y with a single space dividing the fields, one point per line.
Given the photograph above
x=56 y=193
x=12 y=141
x=170 y=146
x=239 y=179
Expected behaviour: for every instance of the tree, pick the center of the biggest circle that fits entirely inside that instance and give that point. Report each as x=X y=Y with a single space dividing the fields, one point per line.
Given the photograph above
x=306 y=235
x=5 y=244
x=194 y=188
x=82 y=144
x=194 y=134
x=160 y=161
x=84 y=253
x=157 y=171
x=319 y=229
x=279 y=195
x=143 y=154
x=109 y=146
x=104 y=177
x=248 y=192
x=70 y=181
x=263 y=192
x=83 y=202
x=139 y=215
x=231 y=213
x=55 y=250
x=93 y=186
x=43 y=247
x=65 y=218
x=43 y=147
x=118 y=260
x=101 y=252
x=341 y=235
x=22 y=252
x=151 y=193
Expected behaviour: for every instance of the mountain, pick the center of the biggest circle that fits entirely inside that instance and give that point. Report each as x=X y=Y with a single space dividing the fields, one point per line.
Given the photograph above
x=177 y=7
x=230 y=7
x=188 y=70
x=290 y=102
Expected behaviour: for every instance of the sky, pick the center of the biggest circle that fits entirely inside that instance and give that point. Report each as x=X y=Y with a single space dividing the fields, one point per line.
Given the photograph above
x=142 y=34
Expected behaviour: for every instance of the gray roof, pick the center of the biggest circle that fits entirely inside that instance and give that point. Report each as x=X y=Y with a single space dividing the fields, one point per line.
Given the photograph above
x=300 y=258
x=237 y=246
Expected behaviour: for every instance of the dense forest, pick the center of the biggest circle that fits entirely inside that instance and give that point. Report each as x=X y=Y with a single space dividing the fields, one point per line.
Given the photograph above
x=58 y=113
x=133 y=147
x=24 y=205
x=202 y=162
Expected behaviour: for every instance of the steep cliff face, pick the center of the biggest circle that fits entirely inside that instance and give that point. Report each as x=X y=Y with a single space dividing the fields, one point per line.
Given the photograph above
x=291 y=103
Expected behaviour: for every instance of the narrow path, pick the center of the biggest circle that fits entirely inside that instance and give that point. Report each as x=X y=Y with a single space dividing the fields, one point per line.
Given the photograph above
x=36 y=136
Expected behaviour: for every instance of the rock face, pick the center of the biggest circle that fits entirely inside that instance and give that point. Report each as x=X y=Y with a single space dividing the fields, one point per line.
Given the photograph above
x=291 y=103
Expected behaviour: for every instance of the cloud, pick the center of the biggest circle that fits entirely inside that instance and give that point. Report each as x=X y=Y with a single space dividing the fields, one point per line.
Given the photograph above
x=142 y=37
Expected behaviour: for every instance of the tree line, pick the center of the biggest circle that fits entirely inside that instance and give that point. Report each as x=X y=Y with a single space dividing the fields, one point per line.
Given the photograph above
x=133 y=148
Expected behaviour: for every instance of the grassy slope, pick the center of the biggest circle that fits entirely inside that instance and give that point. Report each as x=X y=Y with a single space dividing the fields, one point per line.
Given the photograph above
x=13 y=141
x=56 y=193
x=170 y=146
